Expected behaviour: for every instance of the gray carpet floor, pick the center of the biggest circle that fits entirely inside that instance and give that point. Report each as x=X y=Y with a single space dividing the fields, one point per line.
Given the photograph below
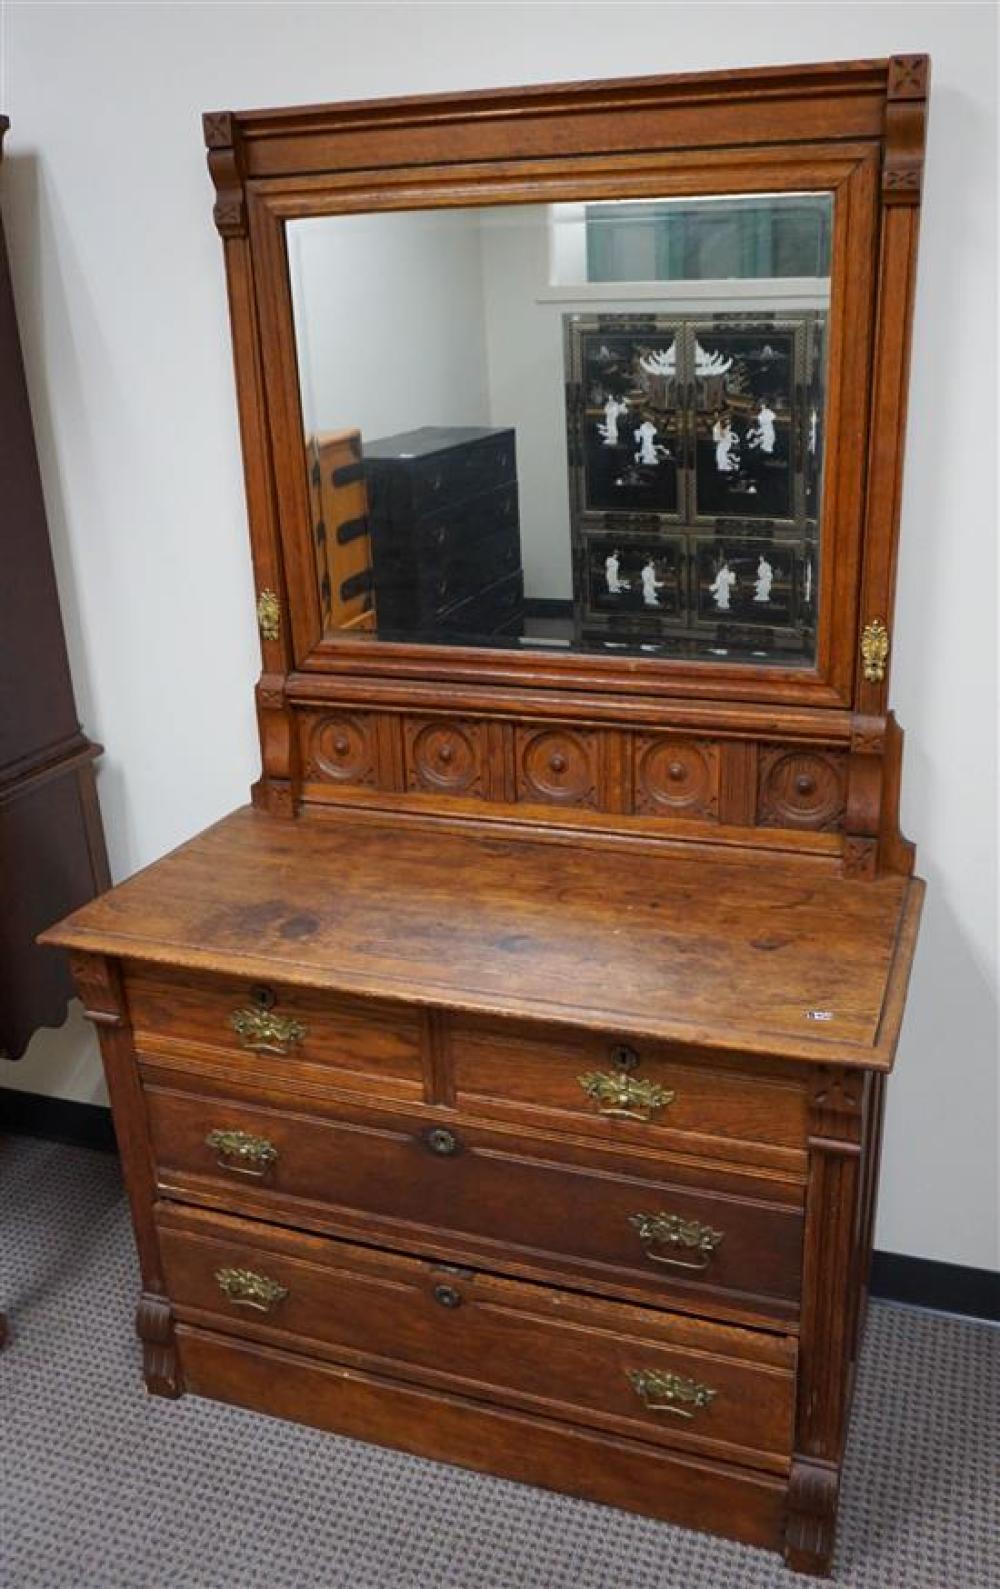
x=100 y=1485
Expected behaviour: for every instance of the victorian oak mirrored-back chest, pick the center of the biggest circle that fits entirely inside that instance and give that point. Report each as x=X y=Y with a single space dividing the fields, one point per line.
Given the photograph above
x=506 y=1083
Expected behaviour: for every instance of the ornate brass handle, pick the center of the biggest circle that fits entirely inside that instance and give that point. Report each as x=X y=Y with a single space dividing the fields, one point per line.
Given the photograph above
x=245 y=1289
x=675 y=1233
x=241 y=1153
x=263 y=1032
x=661 y=1392
x=621 y=1094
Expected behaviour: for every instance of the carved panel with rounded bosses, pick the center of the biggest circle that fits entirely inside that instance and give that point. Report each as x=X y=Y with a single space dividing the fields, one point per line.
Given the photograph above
x=557 y=766
x=341 y=749
x=444 y=756
x=676 y=777
x=801 y=789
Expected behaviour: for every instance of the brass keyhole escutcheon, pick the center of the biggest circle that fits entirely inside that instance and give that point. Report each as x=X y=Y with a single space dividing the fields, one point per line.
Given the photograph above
x=442 y=1141
x=448 y=1296
x=624 y=1057
x=265 y=998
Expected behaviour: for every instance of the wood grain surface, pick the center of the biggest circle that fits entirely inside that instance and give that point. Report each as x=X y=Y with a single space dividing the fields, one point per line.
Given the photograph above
x=720 y=953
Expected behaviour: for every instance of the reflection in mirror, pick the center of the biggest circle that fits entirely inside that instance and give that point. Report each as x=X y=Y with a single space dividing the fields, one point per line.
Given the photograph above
x=593 y=427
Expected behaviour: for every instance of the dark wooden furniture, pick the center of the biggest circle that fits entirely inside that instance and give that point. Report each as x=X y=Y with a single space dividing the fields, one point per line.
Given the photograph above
x=444 y=526
x=519 y=1102
x=52 y=855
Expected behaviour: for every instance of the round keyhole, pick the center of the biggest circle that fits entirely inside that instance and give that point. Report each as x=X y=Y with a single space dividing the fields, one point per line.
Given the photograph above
x=441 y=1140
x=264 y=997
x=447 y=1296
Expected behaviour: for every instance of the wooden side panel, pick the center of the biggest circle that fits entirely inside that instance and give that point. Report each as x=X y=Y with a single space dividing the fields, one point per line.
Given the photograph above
x=99 y=986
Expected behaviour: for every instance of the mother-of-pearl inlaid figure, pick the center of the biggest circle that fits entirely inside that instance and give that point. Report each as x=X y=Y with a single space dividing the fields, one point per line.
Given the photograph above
x=645 y=435
x=614 y=409
x=650 y=584
x=615 y=583
x=726 y=446
x=765 y=579
x=722 y=586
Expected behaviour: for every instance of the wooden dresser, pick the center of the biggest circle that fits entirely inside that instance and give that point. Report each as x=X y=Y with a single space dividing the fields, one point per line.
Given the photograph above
x=506 y=1084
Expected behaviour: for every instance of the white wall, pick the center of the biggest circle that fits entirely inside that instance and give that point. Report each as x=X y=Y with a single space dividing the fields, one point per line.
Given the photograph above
x=389 y=321
x=118 y=275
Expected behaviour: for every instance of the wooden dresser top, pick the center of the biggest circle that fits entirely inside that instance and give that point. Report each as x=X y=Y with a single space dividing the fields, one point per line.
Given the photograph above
x=712 y=953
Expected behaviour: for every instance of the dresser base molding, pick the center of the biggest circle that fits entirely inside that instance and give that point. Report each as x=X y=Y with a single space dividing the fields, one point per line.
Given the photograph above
x=721 y=1499
x=812 y=1516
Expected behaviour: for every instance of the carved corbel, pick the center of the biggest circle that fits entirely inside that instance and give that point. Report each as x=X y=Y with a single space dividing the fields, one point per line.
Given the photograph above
x=225 y=169
x=276 y=790
x=905 y=119
x=863 y=813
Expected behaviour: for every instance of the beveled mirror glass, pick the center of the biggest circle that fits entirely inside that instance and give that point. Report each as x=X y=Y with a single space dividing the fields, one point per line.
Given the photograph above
x=574 y=426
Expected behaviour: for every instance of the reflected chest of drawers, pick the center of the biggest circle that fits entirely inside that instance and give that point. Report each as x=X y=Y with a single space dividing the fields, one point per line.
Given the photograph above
x=446 y=544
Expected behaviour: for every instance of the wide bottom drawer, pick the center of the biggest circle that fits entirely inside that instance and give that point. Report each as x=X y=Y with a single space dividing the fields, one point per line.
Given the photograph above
x=632 y=1371
x=736 y=1502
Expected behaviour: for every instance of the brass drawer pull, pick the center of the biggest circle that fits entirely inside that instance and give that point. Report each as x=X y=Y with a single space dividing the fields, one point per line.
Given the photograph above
x=676 y=1234
x=620 y=1094
x=669 y=1392
x=241 y=1153
x=263 y=1032
x=448 y=1296
x=442 y=1141
x=245 y=1289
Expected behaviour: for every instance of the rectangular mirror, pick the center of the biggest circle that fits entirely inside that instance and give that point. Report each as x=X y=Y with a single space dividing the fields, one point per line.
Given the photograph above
x=574 y=426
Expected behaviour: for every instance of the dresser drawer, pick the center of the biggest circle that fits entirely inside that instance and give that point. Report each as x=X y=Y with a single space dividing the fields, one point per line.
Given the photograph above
x=523 y=1199
x=632 y=1092
x=275 y=1033
x=634 y=1371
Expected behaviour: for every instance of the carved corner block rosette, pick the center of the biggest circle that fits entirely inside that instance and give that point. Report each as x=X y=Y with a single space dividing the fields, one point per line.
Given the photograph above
x=909 y=76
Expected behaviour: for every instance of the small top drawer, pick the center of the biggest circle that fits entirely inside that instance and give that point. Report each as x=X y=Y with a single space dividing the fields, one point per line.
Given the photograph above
x=636 y=1093
x=275 y=1033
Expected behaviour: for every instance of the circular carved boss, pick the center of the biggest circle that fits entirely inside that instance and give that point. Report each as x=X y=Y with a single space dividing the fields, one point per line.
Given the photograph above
x=557 y=766
x=674 y=775
x=802 y=790
x=444 y=757
x=341 y=750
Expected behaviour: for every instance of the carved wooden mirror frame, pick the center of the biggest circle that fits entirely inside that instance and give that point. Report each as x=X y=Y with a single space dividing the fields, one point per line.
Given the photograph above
x=855 y=129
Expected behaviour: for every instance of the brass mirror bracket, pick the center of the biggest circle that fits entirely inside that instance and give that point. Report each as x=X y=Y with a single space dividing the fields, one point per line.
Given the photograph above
x=874 y=651
x=268 y=615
